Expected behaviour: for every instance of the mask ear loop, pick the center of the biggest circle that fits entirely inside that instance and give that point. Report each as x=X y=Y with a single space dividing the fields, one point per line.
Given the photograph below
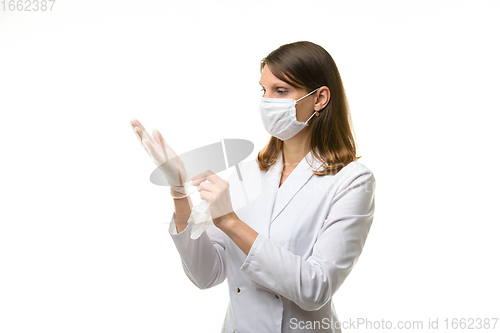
x=310 y=118
x=307 y=95
x=314 y=110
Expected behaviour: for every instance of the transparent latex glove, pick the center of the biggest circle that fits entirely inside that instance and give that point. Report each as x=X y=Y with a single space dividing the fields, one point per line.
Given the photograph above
x=200 y=218
x=215 y=191
x=173 y=169
x=165 y=159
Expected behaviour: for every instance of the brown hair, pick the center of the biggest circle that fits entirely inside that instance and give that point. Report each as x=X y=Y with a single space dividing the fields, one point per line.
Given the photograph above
x=308 y=66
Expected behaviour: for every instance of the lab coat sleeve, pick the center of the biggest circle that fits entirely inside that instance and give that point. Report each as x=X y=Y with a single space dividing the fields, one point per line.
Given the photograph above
x=203 y=259
x=311 y=283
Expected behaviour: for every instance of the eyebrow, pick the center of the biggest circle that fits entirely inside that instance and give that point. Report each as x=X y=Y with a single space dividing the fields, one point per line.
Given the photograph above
x=277 y=84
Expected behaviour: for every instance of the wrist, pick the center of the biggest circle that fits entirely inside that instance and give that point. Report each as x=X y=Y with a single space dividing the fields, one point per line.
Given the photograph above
x=227 y=222
x=181 y=192
x=177 y=193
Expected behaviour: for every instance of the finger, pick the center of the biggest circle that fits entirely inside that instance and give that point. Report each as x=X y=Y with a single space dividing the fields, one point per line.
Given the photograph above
x=140 y=132
x=212 y=177
x=136 y=131
x=145 y=136
x=148 y=145
x=207 y=175
x=132 y=122
x=162 y=141
x=137 y=123
x=157 y=139
x=143 y=130
x=196 y=180
x=204 y=195
x=134 y=128
x=205 y=186
x=137 y=134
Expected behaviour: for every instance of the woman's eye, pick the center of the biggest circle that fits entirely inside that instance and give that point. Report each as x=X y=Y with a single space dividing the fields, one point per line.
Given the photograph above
x=278 y=92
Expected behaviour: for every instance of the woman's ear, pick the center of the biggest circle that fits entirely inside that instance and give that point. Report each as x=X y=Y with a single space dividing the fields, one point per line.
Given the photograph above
x=322 y=99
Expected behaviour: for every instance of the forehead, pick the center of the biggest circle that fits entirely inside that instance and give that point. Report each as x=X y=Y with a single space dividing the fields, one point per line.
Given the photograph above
x=267 y=79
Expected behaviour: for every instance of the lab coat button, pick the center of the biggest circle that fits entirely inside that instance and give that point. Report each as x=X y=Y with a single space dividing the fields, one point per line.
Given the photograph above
x=238 y=290
x=276 y=296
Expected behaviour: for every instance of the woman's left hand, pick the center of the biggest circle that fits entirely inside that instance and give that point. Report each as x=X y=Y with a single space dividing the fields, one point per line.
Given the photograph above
x=216 y=191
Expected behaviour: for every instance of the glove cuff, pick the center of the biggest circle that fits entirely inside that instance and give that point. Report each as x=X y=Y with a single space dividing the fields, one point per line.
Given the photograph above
x=179 y=192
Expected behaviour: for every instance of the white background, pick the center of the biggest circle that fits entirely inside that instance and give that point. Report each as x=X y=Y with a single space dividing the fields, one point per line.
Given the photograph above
x=83 y=242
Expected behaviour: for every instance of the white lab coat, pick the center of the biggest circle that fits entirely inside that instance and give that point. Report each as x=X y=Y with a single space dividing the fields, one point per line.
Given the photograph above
x=312 y=230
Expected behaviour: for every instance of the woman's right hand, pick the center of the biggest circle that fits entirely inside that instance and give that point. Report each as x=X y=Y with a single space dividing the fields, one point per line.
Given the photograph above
x=162 y=155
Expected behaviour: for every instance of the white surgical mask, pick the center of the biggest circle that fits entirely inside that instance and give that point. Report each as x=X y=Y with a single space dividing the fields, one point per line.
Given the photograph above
x=279 y=116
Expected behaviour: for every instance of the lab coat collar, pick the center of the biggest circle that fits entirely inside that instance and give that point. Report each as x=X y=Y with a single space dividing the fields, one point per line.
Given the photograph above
x=294 y=182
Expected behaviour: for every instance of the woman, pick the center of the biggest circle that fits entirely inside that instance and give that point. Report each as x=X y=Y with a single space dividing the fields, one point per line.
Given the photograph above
x=290 y=249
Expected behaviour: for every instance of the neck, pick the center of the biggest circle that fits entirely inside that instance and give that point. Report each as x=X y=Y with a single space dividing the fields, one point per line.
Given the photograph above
x=295 y=149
